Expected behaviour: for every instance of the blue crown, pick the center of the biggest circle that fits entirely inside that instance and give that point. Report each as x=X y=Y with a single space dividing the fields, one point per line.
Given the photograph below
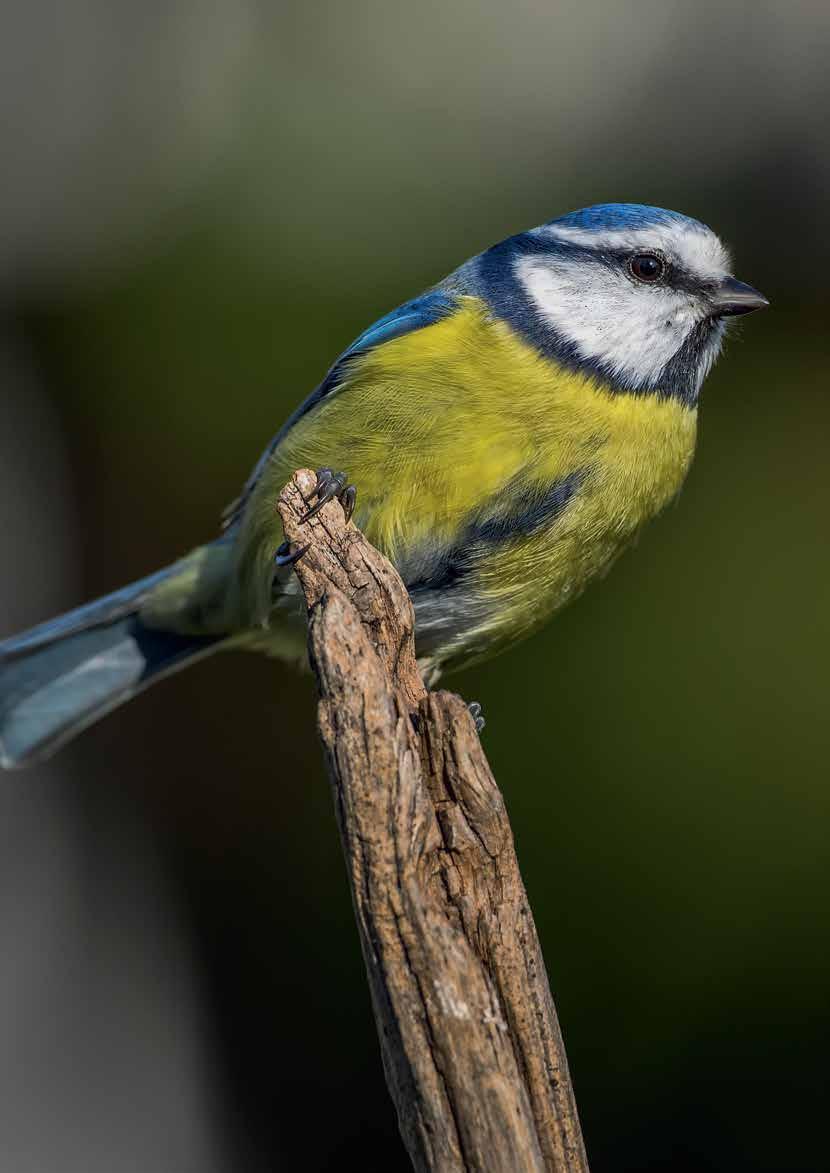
x=608 y=217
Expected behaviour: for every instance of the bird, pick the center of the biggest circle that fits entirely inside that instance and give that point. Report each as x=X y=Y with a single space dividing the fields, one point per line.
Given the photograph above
x=507 y=433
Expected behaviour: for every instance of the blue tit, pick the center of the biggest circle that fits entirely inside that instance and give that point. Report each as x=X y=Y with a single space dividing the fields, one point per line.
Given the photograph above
x=509 y=431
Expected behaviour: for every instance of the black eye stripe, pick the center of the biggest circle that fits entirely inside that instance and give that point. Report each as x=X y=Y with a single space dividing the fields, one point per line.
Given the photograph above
x=675 y=275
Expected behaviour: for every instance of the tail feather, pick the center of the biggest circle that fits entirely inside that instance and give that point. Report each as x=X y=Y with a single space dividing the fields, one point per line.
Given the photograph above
x=100 y=612
x=60 y=677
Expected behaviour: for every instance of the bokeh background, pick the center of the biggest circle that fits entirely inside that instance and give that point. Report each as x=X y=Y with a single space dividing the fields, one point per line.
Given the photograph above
x=201 y=204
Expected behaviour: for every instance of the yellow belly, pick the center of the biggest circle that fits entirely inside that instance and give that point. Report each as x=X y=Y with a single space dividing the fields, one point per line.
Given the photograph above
x=439 y=425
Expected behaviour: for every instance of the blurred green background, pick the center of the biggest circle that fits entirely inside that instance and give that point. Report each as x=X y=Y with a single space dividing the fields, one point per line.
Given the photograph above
x=202 y=205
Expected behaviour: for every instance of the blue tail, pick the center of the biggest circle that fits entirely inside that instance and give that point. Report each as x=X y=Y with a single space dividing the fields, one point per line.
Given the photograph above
x=61 y=676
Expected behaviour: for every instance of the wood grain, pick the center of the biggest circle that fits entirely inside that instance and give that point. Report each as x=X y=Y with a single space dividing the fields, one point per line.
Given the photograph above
x=470 y=1041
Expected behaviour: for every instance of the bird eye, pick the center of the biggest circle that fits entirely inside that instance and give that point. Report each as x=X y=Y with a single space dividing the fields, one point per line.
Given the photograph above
x=646 y=267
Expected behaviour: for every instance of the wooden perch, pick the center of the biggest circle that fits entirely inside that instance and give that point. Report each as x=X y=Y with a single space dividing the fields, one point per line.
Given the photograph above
x=471 y=1046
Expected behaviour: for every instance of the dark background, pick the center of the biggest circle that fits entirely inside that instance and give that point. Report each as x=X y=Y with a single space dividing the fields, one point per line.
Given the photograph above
x=201 y=205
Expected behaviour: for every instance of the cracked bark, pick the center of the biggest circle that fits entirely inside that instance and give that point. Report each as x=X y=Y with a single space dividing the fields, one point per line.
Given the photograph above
x=471 y=1046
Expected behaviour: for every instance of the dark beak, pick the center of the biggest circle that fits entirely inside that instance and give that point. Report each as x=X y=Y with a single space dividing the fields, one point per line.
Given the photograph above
x=734 y=297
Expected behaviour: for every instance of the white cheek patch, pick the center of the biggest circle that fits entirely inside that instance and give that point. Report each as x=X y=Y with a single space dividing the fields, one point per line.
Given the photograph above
x=632 y=331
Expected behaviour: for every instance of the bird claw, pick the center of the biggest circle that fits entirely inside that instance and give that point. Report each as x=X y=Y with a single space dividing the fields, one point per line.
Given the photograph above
x=285 y=556
x=348 y=499
x=324 y=475
x=330 y=485
x=474 y=709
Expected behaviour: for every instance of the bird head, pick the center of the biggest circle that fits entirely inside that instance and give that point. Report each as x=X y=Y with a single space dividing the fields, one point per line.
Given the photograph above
x=637 y=295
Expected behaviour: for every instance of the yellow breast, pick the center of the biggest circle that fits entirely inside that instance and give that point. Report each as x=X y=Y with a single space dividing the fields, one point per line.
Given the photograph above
x=440 y=425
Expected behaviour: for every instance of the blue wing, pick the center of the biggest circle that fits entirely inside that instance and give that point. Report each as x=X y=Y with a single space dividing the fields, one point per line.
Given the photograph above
x=412 y=315
x=421 y=311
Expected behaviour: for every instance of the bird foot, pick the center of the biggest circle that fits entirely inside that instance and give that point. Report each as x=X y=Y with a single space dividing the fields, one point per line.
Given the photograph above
x=474 y=709
x=286 y=556
x=330 y=485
